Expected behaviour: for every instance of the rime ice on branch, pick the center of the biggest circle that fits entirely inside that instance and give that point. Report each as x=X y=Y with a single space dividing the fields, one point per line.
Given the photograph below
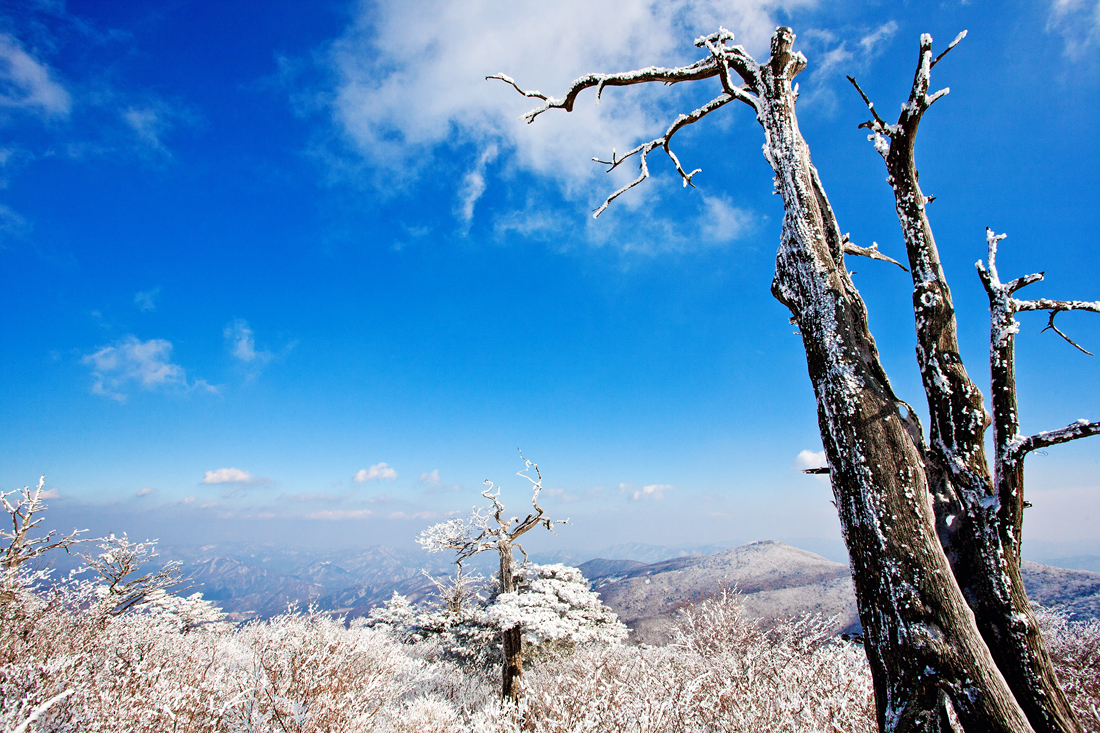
x=21 y=546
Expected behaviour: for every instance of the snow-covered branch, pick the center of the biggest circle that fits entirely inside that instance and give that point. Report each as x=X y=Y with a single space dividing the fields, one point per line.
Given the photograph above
x=119 y=564
x=723 y=57
x=22 y=505
x=869 y=252
x=1078 y=429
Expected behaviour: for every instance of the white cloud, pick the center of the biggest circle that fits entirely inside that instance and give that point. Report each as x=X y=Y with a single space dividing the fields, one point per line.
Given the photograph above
x=317 y=496
x=334 y=514
x=409 y=76
x=187 y=500
x=146 y=364
x=51 y=494
x=1078 y=22
x=432 y=479
x=145 y=492
x=27 y=83
x=828 y=66
x=242 y=343
x=721 y=222
x=871 y=42
x=473 y=184
x=149 y=123
x=377 y=471
x=146 y=300
x=653 y=491
x=229 y=476
x=809 y=459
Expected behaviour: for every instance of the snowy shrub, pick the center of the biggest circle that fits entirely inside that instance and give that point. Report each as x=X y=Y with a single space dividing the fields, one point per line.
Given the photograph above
x=1075 y=650
x=552 y=603
x=722 y=673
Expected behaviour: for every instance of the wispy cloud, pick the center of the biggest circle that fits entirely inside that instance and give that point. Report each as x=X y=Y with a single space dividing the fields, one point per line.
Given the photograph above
x=335 y=514
x=146 y=300
x=473 y=184
x=833 y=59
x=146 y=492
x=431 y=479
x=652 y=491
x=375 y=472
x=144 y=364
x=720 y=222
x=438 y=54
x=241 y=342
x=28 y=83
x=230 y=476
x=317 y=496
x=1078 y=22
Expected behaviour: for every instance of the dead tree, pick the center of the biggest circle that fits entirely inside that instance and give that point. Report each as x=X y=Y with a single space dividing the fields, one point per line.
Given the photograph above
x=932 y=670
x=22 y=510
x=977 y=525
x=486 y=530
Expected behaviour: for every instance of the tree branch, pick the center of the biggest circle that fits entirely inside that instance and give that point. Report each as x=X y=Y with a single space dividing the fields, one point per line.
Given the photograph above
x=1055 y=307
x=722 y=58
x=869 y=252
x=1079 y=429
x=645 y=149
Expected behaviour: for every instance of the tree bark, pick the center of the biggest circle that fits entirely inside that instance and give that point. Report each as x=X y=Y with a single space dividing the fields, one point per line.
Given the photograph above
x=977 y=525
x=512 y=639
x=925 y=651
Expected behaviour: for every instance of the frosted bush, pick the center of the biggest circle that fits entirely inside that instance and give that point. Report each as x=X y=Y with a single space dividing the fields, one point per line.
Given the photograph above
x=1075 y=650
x=722 y=673
x=144 y=671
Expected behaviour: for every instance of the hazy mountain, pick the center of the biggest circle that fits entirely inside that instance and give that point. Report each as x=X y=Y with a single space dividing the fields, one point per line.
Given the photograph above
x=251 y=580
x=775 y=581
x=1077 y=591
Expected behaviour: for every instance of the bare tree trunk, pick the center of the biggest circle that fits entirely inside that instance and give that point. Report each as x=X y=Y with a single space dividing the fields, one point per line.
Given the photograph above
x=932 y=670
x=512 y=639
x=973 y=525
x=922 y=641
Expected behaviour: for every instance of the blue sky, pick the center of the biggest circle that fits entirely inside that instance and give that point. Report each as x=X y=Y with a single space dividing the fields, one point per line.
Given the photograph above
x=302 y=274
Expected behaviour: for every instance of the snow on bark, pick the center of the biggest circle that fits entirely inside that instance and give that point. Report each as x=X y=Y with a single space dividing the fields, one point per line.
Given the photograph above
x=927 y=657
x=972 y=519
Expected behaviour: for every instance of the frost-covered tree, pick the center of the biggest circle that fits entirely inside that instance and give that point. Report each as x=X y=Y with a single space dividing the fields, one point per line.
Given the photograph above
x=552 y=604
x=22 y=506
x=125 y=587
x=488 y=529
x=930 y=658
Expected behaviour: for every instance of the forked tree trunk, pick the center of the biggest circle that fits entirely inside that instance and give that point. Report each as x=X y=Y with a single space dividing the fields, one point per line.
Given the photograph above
x=928 y=660
x=978 y=526
x=512 y=639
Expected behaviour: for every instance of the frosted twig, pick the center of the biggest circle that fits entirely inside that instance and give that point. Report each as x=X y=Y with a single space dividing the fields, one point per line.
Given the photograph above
x=950 y=46
x=1052 y=327
x=869 y=252
x=21 y=547
x=723 y=57
x=643 y=151
x=878 y=121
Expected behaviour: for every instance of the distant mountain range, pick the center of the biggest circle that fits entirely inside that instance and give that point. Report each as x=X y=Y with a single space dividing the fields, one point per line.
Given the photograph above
x=644 y=584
